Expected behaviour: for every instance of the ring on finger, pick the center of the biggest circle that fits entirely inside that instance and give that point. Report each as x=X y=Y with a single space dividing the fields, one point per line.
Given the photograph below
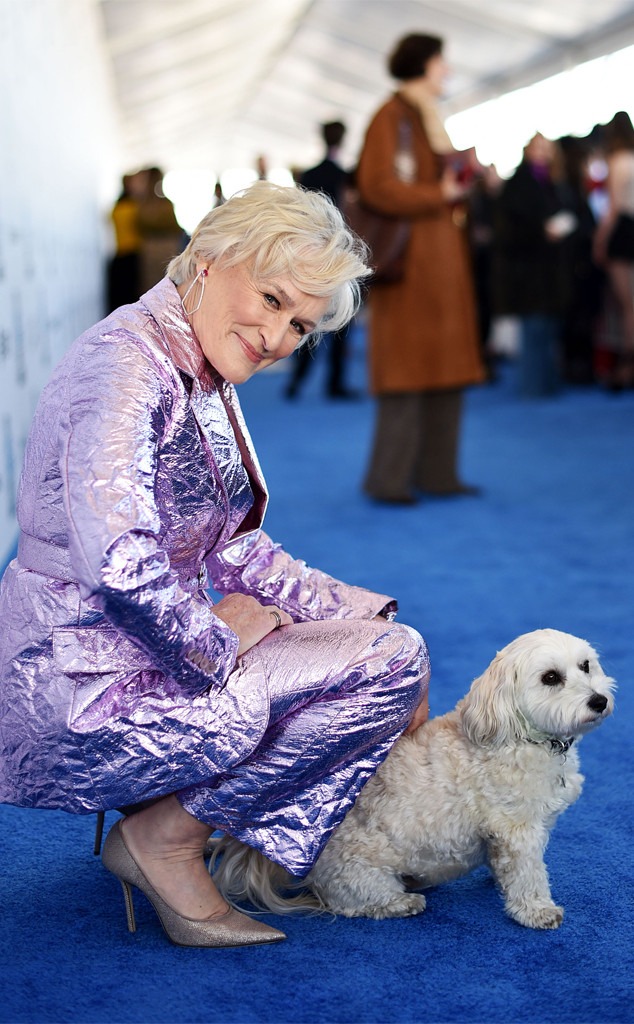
x=278 y=619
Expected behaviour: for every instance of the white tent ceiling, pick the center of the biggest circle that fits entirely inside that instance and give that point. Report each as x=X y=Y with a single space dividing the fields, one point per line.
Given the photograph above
x=213 y=83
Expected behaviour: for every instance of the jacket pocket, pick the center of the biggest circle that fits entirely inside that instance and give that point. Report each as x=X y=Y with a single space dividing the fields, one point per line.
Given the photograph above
x=98 y=662
x=94 y=650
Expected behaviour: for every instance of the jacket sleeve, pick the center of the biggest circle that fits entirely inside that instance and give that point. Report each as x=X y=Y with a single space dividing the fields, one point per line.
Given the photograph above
x=119 y=406
x=378 y=183
x=255 y=565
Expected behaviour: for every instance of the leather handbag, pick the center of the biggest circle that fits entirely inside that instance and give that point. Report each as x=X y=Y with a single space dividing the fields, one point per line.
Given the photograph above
x=386 y=237
x=621 y=240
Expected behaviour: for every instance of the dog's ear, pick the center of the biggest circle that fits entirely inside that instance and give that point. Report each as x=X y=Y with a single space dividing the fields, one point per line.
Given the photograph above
x=488 y=712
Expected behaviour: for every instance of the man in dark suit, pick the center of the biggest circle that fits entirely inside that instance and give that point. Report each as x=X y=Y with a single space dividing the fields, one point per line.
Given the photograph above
x=329 y=177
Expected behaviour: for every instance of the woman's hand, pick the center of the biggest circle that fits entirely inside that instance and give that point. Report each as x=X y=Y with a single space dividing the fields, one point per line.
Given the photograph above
x=453 y=191
x=249 y=620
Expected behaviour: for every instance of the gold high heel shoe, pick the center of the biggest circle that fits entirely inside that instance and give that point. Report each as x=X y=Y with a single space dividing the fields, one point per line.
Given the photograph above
x=230 y=929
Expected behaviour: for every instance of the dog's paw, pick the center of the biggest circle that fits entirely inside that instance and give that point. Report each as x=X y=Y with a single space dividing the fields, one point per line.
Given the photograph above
x=407 y=904
x=542 y=916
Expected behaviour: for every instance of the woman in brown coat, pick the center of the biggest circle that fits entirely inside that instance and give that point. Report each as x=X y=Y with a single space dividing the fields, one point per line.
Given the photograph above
x=423 y=338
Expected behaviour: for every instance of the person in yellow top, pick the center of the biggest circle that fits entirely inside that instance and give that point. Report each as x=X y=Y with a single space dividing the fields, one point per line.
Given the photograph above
x=124 y=265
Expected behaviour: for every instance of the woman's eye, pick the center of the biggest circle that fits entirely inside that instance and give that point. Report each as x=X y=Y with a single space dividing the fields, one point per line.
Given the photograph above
x=272 y=301
x=298 y=328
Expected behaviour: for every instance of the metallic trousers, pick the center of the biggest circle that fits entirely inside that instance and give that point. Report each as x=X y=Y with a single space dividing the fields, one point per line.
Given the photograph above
x=341 y=692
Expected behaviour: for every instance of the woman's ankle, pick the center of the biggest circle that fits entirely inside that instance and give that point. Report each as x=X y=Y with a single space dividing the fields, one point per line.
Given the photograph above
x=175 y=867
x=167 y=825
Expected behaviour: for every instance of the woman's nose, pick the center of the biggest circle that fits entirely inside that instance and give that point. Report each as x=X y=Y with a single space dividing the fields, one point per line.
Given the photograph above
x=273 y=336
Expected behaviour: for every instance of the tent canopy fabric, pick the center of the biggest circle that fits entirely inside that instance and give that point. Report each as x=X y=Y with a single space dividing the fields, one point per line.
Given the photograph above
x=215 y=83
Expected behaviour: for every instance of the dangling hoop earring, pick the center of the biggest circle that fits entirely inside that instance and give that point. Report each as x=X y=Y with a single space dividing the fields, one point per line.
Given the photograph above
x=199 y=279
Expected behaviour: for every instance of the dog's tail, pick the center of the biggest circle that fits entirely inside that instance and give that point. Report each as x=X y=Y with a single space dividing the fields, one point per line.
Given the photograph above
x=244 y=874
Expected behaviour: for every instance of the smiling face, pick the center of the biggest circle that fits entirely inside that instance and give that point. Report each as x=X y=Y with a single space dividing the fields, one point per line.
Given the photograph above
x=244 y=325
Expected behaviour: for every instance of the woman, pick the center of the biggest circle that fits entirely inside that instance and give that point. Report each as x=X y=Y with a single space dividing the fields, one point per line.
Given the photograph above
x=533 y=275
x=123 y=268
x=122 y=684
x=619 y=259
x=423 y=340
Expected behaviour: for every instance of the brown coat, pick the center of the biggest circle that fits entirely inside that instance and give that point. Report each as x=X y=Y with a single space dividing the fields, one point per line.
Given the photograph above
x=423 y=333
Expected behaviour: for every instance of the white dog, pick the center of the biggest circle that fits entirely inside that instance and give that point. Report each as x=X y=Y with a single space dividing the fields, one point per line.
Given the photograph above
x=481 y=784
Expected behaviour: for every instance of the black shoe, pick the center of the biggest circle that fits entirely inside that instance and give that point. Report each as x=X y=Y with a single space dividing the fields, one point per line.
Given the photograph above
x=343 y=393
x=460 y=490
x=392 y=499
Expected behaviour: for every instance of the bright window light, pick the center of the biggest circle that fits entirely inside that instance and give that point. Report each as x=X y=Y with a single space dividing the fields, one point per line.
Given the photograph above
x=570 y=103
x=192 y=194
x=192 y=191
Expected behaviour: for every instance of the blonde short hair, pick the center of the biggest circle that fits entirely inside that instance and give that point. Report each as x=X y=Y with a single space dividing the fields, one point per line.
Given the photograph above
x=283 y=231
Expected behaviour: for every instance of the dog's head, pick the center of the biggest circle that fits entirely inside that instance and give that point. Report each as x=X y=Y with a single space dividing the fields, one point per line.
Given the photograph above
x=544 y=683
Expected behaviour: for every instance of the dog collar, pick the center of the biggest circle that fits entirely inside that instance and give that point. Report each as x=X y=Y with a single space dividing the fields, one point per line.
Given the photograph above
x=557 y=745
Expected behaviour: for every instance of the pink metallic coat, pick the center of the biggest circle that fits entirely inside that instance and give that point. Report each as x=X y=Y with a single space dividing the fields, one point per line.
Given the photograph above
x=117 y=680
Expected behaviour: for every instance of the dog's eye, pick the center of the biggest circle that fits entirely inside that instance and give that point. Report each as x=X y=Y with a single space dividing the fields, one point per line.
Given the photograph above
x=552 y=678
x=585 y=666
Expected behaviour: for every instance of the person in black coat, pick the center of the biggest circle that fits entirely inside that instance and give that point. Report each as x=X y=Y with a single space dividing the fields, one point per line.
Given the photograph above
x=328 y=177
x=534 y=226
x=587 y=277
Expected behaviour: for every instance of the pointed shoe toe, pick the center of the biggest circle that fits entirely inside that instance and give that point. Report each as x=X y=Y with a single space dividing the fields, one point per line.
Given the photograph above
x=231 y=929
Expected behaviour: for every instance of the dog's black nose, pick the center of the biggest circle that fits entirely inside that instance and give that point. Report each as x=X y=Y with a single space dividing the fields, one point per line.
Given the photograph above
x=598 y=702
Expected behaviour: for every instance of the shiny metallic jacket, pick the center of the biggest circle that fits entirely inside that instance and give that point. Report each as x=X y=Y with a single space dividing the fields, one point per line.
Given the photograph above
x=117 y=681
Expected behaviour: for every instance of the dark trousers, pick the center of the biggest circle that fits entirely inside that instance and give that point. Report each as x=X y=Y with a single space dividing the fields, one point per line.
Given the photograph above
x=415 y=447
x=303 y=359
x=123 y=283
x=539 y=371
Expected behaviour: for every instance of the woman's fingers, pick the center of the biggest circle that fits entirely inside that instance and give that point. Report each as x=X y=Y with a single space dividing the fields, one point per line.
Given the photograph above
x=250 y=620
x=278 y=617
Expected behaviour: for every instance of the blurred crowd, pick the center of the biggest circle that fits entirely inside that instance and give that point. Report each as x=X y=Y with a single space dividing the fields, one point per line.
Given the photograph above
x=146 y=237
x=537 y=268
x=541 y=252
x=548 y=293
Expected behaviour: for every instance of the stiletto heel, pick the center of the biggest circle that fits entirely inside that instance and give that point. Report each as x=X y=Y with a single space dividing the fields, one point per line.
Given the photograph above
x=229 y=929
x=129 y=905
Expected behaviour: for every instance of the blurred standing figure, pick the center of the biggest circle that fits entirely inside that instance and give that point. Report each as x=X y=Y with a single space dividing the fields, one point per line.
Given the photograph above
x=219 y=199
x=618 y=259
x=587 y=278
x=328 y=177
x=123 y=268
x=161 y=234
x=480 y=220
x=423 y=337
x=533 y=262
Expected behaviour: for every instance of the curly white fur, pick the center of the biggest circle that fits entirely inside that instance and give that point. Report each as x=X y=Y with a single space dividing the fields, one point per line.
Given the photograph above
x=481 y=784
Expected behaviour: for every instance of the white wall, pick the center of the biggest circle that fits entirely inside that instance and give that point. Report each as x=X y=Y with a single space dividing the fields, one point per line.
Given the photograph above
x=58 y=174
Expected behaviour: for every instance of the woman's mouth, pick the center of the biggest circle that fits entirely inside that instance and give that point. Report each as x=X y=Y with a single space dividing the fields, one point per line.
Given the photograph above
x=251 y=353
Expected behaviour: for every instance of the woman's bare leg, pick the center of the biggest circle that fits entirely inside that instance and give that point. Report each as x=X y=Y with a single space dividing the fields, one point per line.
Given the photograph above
x=621 y=276
x=168 y=843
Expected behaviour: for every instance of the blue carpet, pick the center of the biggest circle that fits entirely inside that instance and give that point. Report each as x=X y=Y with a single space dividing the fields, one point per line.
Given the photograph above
x=550 y=543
